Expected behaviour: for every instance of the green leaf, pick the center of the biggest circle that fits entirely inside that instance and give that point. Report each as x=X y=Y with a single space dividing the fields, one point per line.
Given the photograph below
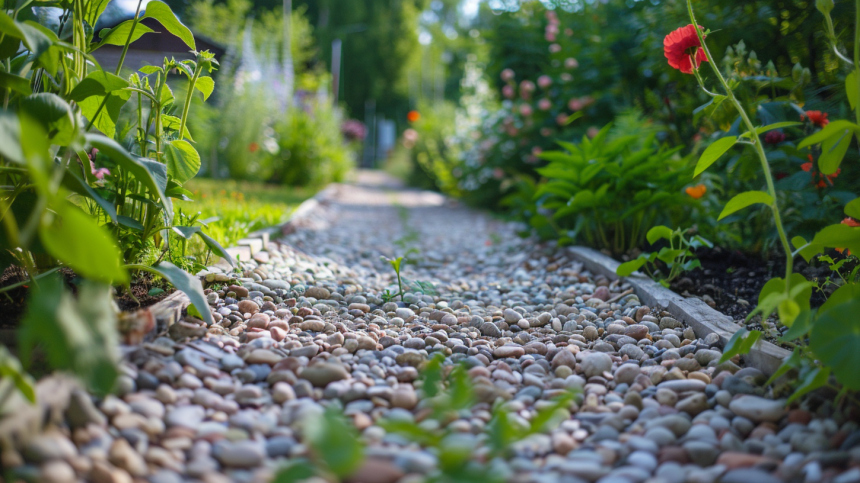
x=216 y=247
x=295 y=472
x=833 y=236
x=713 y=153
x=658 y=233
x=18 y=84
x=183 y=161
x=627 y=268
x=852 y=209
x=814 y=379
x=770 y=127
x=10 y=137
x=773 y=297
x=708 y=108
x=130 y=223
x=667 y=255
x=119 y=34
x=335 y=442
x=121 y=157
x=800 y=327
x=159 y=10
x=73 y=237
x=789 y=363
x=842 y=295
x=572 y=117
x=744 y=200
x=834 y=340
x=798 y=242
x=77 y=335
x=54 y=114
x=833 y=150
x=851 y=88
x=73 y=182
x=188 y=284
x=10 y=369
x=829 y=130
x=740 y=343
x=206 y=85
x=173 y=123
x=94 y=90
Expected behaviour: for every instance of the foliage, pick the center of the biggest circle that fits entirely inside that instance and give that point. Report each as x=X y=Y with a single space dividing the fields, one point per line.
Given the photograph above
x=607 y=190
x=677 y=258
x=449 y=390
x=335 y=448
x=824 y=344
x=73 y=197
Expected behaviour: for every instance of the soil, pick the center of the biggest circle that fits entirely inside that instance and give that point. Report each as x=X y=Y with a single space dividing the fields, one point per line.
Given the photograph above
x=730 y=281
x=13 y=303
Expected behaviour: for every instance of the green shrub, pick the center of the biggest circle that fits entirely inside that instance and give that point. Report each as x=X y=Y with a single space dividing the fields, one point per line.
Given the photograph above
x=608 y=191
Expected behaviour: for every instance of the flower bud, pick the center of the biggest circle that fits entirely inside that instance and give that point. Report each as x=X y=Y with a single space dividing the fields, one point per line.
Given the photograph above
x=770 y=68
x=824 y=6
x=805 y=76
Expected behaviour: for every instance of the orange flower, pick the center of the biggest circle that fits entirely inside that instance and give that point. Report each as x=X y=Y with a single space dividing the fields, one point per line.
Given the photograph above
x=679 y=45
x=819 y=179
x=413 y=116
x=697 y=191
x=253 y=147
x=816 y=117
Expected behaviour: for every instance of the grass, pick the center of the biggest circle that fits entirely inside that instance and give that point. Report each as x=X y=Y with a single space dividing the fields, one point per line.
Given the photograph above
x=233 y=209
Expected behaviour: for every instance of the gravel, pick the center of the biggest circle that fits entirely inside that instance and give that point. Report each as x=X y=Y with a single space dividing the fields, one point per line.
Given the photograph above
x=305 y=325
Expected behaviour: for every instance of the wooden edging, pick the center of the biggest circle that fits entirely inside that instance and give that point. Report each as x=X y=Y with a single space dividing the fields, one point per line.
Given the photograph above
x=704 y=320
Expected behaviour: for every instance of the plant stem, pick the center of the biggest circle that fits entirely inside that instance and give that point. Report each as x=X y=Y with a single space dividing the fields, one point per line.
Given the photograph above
x=191 y=83
x=130 y=34
x=774 y=206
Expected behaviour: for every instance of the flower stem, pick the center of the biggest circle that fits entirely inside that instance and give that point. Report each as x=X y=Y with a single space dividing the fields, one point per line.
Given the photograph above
x=754 y=137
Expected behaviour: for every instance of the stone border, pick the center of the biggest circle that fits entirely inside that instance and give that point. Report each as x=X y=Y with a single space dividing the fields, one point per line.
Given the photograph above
x=704 y=320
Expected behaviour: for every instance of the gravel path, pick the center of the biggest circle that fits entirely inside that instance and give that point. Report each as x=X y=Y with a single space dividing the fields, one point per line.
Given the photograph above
x=308 y=328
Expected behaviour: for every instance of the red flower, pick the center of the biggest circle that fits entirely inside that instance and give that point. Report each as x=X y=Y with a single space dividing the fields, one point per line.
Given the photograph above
x=679 y=45
x=413 y=116
x=819 y=179
x=816 y=117
x=774 y=137
x=253 y=147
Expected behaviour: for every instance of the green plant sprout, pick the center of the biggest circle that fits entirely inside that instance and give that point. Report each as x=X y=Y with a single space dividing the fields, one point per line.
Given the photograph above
x=678 y=257
x=449 y=391
x=423 y=287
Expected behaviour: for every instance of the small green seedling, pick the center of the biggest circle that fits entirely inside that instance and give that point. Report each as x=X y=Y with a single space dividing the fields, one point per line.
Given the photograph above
x=677 y=258
x=415 y=285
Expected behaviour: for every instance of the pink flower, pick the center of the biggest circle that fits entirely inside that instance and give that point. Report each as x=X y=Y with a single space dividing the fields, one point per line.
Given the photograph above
x=549 y=37
x=575 y=104
x=544 y=81
x=554 y=48
x=526 y=110
x=100 y=173
x=592 y=131
x=544 y=104
x=508 y=92
x=571 y=63
x=545 y=132
x=498 y=173
x=561 y=119
x=507 y=75
x=527 y=86
x=537 y=150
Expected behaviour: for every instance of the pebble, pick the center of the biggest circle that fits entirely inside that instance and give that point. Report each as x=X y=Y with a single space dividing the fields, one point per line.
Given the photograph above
x=308 y=329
